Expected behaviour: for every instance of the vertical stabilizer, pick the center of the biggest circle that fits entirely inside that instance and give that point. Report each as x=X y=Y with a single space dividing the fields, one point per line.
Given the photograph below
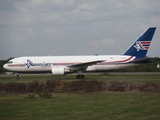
x=141 y=46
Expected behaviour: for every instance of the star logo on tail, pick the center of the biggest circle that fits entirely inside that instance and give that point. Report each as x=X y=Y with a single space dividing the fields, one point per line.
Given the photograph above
x=142 y=45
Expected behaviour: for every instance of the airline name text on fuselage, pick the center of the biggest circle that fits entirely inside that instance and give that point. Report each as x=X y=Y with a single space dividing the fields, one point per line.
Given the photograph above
x=30 y=63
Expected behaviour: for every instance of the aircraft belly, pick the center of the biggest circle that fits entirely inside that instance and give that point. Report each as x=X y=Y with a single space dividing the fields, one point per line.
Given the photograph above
x=102 y=68
x=107 y=67
x=112 y=67
x=91 y=68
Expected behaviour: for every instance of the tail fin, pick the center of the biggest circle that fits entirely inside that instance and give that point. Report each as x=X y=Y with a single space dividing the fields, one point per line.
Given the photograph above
x=141 y=46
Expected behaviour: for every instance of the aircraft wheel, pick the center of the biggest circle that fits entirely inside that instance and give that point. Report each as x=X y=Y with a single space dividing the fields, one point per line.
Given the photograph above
x=17 y=77
x=80 y=76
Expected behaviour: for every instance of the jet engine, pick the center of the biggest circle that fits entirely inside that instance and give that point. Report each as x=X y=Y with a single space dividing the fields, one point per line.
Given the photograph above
x=58 y=71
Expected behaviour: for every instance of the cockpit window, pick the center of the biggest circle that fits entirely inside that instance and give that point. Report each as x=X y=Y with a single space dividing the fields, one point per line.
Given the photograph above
x=9 y=62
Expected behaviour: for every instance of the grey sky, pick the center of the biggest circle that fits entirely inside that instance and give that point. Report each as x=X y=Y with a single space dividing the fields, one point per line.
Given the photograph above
x=75 y=27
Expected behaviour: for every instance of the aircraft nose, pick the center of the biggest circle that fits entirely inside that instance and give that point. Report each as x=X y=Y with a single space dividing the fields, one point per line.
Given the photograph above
x=5 y=66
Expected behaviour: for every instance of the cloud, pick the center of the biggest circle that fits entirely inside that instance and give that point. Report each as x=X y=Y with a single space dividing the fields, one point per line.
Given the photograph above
x=82 y=8
x=74 y=27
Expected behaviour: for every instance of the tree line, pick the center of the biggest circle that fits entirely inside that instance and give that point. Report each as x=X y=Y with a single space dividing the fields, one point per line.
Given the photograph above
x=151 y=67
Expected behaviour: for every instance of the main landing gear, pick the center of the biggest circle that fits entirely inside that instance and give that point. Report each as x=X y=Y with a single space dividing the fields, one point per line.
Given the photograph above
x=80 y=76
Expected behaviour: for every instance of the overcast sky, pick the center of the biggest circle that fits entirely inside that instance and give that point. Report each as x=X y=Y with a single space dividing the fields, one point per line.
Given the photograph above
x=75 y=27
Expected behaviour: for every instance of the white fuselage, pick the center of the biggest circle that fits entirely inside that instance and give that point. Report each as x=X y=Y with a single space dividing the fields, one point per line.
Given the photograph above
x=47 y=63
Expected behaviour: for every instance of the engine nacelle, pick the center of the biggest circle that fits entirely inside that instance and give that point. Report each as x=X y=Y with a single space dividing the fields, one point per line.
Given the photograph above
x=58 y=71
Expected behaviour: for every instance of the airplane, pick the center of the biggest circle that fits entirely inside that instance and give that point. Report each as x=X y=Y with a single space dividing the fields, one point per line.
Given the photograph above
x=62 y=65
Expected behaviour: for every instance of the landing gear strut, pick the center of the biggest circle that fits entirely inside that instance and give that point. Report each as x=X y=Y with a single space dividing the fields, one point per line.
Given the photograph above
x=17 y=76
x=80 y=76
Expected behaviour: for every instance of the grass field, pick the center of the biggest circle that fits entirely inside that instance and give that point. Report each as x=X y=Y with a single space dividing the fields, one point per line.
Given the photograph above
x=82 y=106
x=93 y=106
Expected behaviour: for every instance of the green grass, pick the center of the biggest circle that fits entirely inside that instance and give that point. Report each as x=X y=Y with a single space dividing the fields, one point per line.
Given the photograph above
x=94 y=106
x=72 y=106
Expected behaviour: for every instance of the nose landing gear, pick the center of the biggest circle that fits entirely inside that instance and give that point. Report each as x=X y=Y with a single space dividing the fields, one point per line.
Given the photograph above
x=17 y=76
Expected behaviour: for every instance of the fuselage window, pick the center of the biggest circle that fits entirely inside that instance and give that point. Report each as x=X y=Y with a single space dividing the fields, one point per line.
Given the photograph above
x=9 y=62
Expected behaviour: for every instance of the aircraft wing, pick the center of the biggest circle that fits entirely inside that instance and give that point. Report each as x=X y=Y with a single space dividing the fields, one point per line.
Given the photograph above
x=84 y=65
x=143 y=60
